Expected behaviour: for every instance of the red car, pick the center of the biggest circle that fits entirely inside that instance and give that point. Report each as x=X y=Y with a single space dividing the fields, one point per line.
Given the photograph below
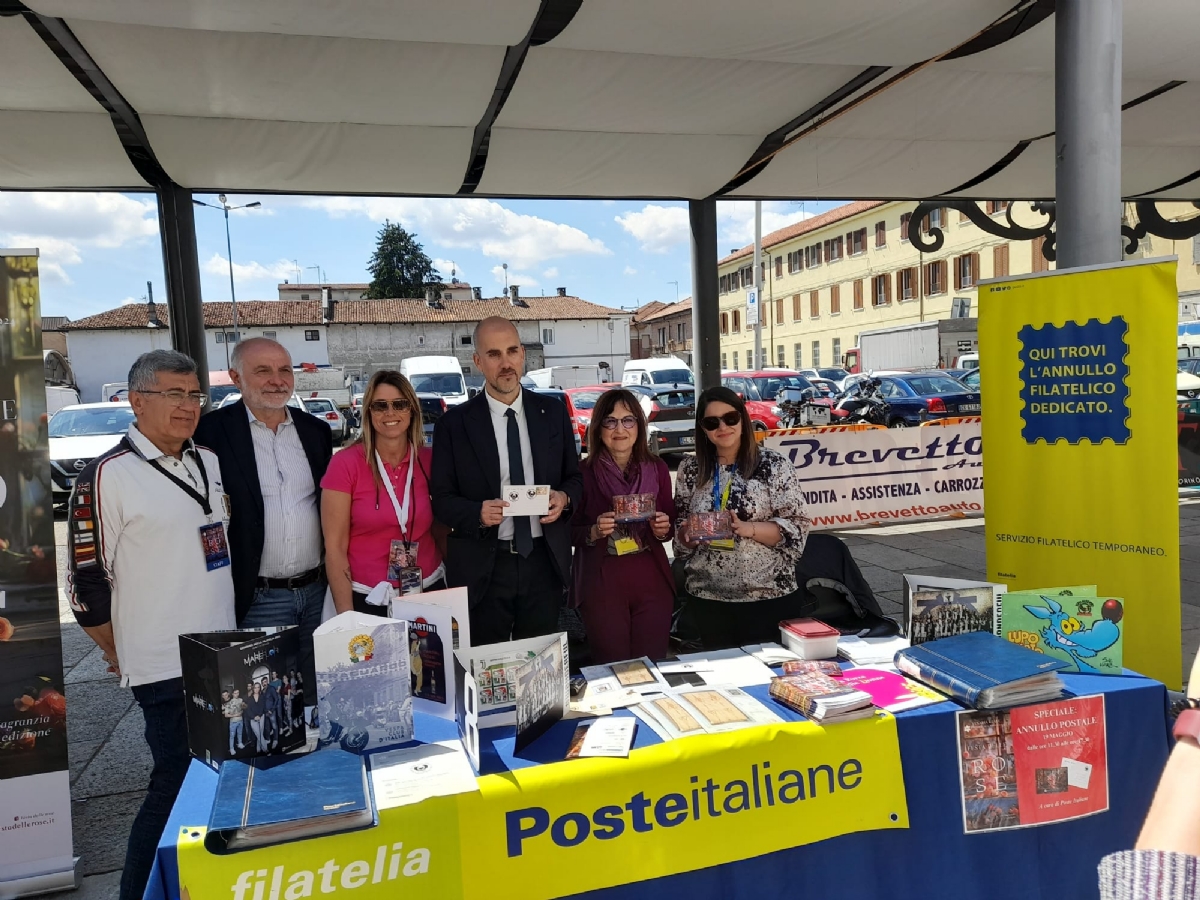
x=580 y=401
x=760 y=390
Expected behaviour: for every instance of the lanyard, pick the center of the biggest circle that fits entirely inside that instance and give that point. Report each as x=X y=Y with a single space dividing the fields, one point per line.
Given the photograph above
x=721 y=497
x=202 y=499
x=402 y=510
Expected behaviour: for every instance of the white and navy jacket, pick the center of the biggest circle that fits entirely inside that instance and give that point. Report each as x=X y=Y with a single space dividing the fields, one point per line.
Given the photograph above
x=136 y=558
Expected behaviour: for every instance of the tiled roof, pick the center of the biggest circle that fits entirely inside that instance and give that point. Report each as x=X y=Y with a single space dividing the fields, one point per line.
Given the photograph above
x=816 y=223
x=647 y=309
x=668 y=310
x=265 y=313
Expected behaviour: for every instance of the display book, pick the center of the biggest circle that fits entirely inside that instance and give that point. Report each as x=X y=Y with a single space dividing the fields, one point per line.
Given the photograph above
x=1068 y=623
x=943 y=607
x=983 y=671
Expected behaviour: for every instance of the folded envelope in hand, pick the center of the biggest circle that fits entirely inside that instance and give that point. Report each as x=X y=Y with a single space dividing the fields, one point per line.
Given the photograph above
x=526 y=499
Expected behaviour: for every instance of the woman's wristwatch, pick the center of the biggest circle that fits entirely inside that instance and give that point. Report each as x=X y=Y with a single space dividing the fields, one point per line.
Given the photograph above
x=1187 y=725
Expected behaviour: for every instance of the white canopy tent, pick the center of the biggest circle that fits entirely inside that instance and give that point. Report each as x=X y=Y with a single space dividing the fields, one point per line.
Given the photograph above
x=686 y=99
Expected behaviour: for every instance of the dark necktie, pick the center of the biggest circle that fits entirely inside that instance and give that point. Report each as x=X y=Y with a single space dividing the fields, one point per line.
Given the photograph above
x=522 y=531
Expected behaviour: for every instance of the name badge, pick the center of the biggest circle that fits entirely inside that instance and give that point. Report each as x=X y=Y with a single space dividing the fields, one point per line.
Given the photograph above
x=403 y=570
x=625 y=546
x=214 y=545
x=725 y=545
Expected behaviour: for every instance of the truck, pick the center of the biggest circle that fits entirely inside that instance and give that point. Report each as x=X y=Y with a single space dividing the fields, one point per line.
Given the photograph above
x=921 y=345
x=314 y=380
x=441 y=375
x=569 y=376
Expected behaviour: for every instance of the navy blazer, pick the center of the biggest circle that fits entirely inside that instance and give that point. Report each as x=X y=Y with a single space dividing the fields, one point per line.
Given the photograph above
x=466 y=471
x=226 y=432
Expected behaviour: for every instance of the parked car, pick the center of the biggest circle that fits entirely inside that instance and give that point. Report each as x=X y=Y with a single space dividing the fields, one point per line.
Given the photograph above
x=433 y=407
x=326 y=410
x=833 y=373
x=971 y=380
x=760 y=391
x=670 y=416
x=1187 y=383
x=917 y=397
x=582 y=400
x=78 y=434
x=561 y=397
x=660 y=370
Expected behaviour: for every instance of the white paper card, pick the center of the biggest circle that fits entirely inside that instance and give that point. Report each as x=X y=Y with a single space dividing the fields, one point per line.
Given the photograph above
x=733 y=666
x=609 y=737
x=770 y=654
x=639 y=674
x=412 y=774
x=1079 y=774
x=526 y=499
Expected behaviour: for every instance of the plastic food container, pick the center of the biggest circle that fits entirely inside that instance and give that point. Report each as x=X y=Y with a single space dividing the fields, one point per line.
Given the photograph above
x=809 y=638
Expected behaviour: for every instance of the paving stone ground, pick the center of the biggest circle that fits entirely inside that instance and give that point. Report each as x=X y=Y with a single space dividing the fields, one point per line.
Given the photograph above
x=110 y=763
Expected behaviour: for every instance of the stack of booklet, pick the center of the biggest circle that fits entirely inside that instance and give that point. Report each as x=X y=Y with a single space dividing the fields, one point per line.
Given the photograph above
x=983 y=670
x=821 y=698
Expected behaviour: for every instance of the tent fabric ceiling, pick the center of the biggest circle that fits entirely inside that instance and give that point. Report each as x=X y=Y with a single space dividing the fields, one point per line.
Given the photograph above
x=563 y=98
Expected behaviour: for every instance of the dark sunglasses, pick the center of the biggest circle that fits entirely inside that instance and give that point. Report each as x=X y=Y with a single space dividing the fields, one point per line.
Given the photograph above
x=383 y=405
x=712 y=423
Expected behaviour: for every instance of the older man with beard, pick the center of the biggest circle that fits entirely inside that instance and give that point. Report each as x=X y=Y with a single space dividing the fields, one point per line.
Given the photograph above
x=275 y=457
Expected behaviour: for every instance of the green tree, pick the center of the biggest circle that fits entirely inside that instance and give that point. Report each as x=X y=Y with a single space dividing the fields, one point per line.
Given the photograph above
x=399 y=267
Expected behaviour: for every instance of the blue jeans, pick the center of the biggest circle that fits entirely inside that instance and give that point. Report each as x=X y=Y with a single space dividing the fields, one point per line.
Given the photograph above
x=300 y=607
x=163 y=709
x=235 y=733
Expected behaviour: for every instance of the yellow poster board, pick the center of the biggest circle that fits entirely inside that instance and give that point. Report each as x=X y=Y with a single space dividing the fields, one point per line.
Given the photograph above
x=580 y=825
x=1081 y=450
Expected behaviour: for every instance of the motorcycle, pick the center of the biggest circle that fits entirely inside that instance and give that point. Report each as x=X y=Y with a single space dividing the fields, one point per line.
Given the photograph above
x=863 y=404
x=797 y=409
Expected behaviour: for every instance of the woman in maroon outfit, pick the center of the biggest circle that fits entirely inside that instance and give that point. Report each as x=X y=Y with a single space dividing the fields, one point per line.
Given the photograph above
x=622 y=578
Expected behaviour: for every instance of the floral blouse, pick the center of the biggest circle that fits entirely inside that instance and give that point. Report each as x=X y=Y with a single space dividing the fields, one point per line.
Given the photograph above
x=752 y=571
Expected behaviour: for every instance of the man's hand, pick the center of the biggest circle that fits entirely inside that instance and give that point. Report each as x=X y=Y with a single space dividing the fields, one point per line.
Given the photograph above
x=660 y=526
x=492 y=512
x=558 y=502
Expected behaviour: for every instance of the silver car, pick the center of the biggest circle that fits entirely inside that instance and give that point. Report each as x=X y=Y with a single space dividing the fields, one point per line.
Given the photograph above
x=327 y=410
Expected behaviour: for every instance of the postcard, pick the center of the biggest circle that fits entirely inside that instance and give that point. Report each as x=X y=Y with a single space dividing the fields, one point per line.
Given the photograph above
x=526 y=499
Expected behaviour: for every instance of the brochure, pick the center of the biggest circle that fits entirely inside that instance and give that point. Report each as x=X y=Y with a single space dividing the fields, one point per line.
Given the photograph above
x=494 y=668
x=543 y=692
x=412 y=774
x=466 y=709
x=708 y=710
x=891 y=691
x=363 y=682
x=611 y=737
x=1031 y=765
x=639 y=674
x=430 y=630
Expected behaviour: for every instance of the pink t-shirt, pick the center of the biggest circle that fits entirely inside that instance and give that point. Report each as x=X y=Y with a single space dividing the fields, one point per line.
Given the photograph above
x=373 y=524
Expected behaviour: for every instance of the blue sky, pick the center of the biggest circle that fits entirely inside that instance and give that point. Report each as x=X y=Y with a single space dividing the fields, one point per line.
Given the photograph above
x=100 y=249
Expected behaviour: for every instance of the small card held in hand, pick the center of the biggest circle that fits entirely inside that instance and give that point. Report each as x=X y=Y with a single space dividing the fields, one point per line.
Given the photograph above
x=526 y=499
x=633 y=507
x=710 y=526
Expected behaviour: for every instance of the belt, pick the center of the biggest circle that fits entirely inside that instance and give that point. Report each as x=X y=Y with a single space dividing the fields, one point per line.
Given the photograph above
x=509 y=545
x=304 y=579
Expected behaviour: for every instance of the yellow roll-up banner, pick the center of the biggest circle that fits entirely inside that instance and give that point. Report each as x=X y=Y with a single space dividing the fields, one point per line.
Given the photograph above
x=563 y=828
x=1079 y=424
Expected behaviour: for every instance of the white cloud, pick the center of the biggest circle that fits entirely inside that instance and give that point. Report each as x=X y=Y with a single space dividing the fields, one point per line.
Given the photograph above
x=65 y=225
x=514 y=277
x=446 y=266
x=735 y=220
x=630 y=270
x=551 y=272
x=657 y=229
x=252 y=271
x=473 y=223
x=130 y=301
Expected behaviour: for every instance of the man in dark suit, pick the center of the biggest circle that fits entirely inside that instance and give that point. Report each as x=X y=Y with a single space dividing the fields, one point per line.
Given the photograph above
x=515 y=568
x=275 y=457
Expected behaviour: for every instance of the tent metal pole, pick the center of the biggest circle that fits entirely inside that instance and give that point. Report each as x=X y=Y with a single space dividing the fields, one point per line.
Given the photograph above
x=1087 y=143
x=706 y=336
x=177 y=227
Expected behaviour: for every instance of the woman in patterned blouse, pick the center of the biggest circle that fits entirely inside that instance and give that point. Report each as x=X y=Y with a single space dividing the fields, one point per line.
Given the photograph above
x=738 y=596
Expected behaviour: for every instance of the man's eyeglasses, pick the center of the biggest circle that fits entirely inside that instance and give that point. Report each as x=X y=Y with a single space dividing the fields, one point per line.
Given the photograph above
x=629 y=423
x=712 y=423
x=181 y=398
x=384 y=405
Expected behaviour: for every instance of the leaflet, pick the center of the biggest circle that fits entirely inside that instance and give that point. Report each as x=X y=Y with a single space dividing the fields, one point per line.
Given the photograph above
x=771 y=654
x=412 y=774
x=603 y=737
x=638 y=674
x=706 y=710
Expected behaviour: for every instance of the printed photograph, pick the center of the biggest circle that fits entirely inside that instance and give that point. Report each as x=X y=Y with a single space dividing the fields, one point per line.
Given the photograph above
x=632 y=673
x=1051 y=781
x=944 y=613
x=992 y=813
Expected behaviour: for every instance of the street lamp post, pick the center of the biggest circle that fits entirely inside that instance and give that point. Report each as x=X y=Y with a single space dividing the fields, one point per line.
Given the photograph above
x=229 y=252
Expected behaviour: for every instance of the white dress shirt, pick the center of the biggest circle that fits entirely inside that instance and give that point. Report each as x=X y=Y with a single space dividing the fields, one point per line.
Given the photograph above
x=500 y=426
x=292 y=535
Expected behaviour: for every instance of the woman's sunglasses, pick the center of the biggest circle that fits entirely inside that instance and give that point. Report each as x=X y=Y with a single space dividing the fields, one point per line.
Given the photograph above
x=383 y=405
x=712 y=423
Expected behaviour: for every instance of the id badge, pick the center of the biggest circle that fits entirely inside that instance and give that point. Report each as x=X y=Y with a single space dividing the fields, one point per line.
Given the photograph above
x=214 y=545
x=401 y=555
x=724 y=545
x=409 y=580
x=625 y=545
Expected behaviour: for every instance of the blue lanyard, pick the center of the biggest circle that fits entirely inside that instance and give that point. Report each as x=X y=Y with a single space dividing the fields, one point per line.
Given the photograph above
x=721 y=497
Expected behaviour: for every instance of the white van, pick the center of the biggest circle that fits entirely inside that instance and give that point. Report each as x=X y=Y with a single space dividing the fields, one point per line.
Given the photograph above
x=666 y=370
x=441 y=375
x=566 y=376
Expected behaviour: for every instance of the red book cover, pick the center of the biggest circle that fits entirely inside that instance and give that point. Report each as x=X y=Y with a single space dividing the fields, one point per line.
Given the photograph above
x=1047 y=762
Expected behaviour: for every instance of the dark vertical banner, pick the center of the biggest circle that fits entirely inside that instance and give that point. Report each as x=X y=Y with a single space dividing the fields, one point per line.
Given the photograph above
x=35 y=802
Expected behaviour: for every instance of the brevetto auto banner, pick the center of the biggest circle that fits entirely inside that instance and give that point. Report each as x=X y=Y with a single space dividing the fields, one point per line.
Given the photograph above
x=581 y=825
x=1082 y=415
x=855 y=476
x=35 y=793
